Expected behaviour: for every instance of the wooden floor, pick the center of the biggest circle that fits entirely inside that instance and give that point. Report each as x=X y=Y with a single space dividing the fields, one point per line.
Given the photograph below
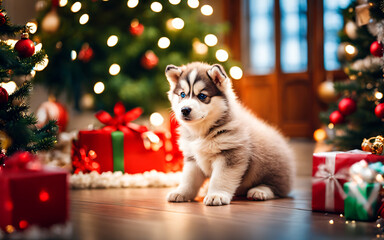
x=145 y=214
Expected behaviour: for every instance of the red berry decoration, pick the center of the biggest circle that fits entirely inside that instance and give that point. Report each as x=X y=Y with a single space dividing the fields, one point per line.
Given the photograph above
x=25 y=46
x=136 y=28
x=336 y=117
x=347 y=106
x=379 y=110
x=2 y=19
x=149 y=60
x=376 y=49
x=3 y=95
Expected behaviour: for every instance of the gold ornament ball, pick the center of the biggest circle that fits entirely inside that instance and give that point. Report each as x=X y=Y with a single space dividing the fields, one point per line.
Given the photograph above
x=350 y=29
x=366 y=145
x=377 y=147
x=5 y=140
x=51 y=22
x=326 y=92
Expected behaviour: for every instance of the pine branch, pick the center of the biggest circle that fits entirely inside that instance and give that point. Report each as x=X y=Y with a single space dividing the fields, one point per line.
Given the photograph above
x=22 y=92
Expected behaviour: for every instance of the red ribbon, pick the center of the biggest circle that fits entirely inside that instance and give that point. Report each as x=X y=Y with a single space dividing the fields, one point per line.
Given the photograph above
x=83 y=160
x=122 y=120
x=22 y=161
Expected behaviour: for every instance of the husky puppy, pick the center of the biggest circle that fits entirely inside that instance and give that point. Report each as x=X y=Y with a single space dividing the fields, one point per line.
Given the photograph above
x=223 y=141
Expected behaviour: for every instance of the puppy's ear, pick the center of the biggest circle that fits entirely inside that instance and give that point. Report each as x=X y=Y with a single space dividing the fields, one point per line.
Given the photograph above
x=173 y=74
x=217 y=74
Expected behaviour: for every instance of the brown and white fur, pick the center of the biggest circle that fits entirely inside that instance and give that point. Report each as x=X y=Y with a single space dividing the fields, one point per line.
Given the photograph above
x=223 y=141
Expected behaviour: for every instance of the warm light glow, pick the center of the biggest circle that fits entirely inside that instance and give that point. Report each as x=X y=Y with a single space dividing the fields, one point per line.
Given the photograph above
x=199 y=47
x=23 y=224
x=210 y=40
x=132 y=3
x=319 y=135
x=112 y=40
x=33 y=73
x=156 y=119
x=174 y=2
x=152 y=137
x=32 y=27
x=331 y=222
x=73 y=55
x=63 y=3
x=379 y=95
x=341 y=215
x=156 y=7
x=11 y=42
x=76 y=7
x=99 y=87
x=236 y=72
x=222 y=55
x=42 y=65
x=114 y=69
x=206 y=10
x=9 y=229
x=38 y=47
x=193 y=3
x=84 y=19
x=163 y=42
x=9 y=86
x=178 y=23
x=350 y=49
x=44 y=196
x=379 y=178
x=331 y=126
x=378 y=225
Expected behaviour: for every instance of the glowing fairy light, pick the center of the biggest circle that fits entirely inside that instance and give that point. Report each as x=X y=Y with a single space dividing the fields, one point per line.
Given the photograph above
x=73 y=55
x=351 y=50
x=43 y=196
x=379 y=95
x=114 y=69
x=38 y=47
x=210 y=40
x=193 y=3
x=156 y=7
x=32 y=27
x=222 y=55
x=206 y=10
x=112 y=40
x=331 y=126
x=10 y=86
x=84 y=19
x=42 y=65
x=199 y=47
x=98 y=87
x=178 y=23
x=331 y=222
x=319 y=135
x=76 y=7
x=164 y=42
x=132 y=3
x=63 y=3
x=156 y=119
x=236 y=72
x=174 y=2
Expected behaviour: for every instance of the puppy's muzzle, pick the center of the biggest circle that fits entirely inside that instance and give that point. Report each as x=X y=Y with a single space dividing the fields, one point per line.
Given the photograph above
x=186 y=111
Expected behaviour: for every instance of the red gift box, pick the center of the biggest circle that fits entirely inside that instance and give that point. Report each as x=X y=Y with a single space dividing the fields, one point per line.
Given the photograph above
x=125 y=146
x=32 y=196
x=330 y=172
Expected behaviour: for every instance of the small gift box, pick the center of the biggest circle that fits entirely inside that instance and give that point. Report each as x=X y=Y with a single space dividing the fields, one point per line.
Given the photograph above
x=361 y=202
x=330 y=172
x=31 y=194
x=124 y=146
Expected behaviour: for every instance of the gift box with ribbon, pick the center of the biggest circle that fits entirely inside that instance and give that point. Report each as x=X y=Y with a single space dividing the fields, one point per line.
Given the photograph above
x=31 y=194
x=122 y=145
x=330 y=172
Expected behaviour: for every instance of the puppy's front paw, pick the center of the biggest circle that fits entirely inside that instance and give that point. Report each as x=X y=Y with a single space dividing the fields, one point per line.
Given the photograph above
x=217 y=199
x=177 y=196
x=261 y=192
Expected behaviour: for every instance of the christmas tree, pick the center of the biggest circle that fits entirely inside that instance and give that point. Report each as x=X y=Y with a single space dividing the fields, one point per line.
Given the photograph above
x=118 y=50
x=17 y=126
x=359 y=112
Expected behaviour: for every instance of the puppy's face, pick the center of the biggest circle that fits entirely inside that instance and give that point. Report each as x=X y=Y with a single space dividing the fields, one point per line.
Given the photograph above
x=196 y=91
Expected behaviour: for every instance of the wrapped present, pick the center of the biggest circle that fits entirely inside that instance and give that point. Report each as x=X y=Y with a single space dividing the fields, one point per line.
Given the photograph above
x=330 y=172
x=361 y=202
x=124 y=146
x=31 y=194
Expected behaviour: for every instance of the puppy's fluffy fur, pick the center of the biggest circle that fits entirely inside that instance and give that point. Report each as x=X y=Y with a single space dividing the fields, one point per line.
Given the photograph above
x=223 y=141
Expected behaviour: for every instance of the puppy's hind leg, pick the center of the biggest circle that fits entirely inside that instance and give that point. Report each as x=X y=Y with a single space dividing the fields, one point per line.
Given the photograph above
x=261 y=192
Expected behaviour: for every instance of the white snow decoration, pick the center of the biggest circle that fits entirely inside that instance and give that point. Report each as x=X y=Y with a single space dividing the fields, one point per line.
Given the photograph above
x=120 y=180
x=368 y=64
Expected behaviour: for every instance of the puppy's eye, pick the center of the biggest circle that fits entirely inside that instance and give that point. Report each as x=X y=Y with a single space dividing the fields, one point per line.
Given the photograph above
x=182 y=94
x=201 y=96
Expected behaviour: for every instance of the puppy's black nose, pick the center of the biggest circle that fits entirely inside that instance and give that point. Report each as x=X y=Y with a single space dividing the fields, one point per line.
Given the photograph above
x=186 y=111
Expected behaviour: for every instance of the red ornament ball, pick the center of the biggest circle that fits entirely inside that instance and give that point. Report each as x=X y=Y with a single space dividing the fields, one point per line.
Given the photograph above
x=2 y=19
x=376 y=49
x=86 y=53
x=52 y=110
x=336 y=117
x=25 y=46
x=347 y=106
x=3 y=95
x=379 y=110
x=136 y=28
x=149 y=60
